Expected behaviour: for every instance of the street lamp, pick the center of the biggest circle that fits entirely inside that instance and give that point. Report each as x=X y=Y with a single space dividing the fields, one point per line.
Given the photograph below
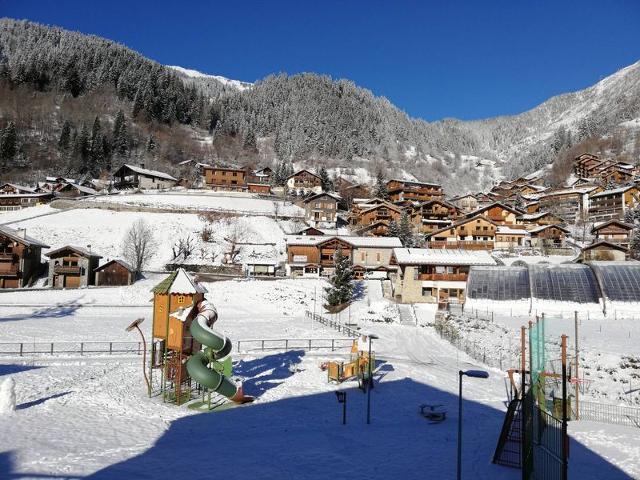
x=472 y=374
x=135 y=324
x=369 y=378
x=342 y=398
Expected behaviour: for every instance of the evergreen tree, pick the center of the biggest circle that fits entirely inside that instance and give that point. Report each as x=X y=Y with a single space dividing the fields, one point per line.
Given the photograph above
x=634 y=244
x=325 y=181
x=341 y=289
x=96 y=156
x=64 y=142
x=394 y=229
x=380 y=188
x=405 y=232
x=82 y=150
x=151 y=144
x=8 y=145
x=120 y=143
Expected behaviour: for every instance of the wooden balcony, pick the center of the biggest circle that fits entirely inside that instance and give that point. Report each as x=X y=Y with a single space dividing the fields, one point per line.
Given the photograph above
x=6 y=256
x=66 y=270
x=464 y=245
x=450 y=277
x=9 y=271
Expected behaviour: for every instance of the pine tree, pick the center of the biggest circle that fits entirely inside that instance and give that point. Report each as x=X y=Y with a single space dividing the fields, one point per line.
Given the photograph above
x=120 y=143
x=8 y=145
x=341 y=289
x=634 y=244
x=380 y=188
x=151 y=144
x=325 y=181
x=405 y=233
x=96 y=156
x=394 y=229
x=64 y=142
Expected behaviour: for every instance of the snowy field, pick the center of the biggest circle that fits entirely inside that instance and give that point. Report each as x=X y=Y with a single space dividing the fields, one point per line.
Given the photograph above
x=105 y=231
x=90 y=416
x=197 y=200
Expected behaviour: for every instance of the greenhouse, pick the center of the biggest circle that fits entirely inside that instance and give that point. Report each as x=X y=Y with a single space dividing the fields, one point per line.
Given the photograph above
x=498 y=283
x=564 y=283
x=619 y=281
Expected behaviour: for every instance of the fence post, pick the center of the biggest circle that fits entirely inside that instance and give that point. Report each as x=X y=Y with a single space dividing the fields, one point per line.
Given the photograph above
x=51 y=348
x=81 y=348
x=286 y=344
x=21 y=348
x=332 y=344
x=309 y=344
x=139 y=348
x=263 y=345
x=110 y=348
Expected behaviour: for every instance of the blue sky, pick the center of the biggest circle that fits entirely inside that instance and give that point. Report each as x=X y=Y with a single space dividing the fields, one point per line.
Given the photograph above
x=433 y=59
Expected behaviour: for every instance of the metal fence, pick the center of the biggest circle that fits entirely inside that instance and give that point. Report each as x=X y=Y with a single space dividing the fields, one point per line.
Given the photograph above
x=340 y=327
x=611 y=414
x=20 y=349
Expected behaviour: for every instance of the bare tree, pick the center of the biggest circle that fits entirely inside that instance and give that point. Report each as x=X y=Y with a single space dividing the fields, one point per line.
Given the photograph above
x=276 y=209
x=138 y=245
x=184 y=247
x=238 y=233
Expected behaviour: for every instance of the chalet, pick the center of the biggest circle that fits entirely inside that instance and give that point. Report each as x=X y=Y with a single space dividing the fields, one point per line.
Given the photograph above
x=225 y=178
x=508 y=237
x=19 y=258
x=531 y=207
x=619 y=173
x=304 y=182
x=485 y=199
x=498 y=213
x=610 y=204
x=567 y=203
x=17 y=201
x=132 y=176
x=604 y=251
x=433 y=276
x=309 y=255
x=539 y=218
x=73 y=190
x=310 y=231
x=379 y=212
x=72 y=267
x=466 y=203
x=376 y=229
x=400 y=190
x=476 y=233
x=585 y=164
x=349 y=194
x=548 y=236
x=613 y=231
x=262 y=175
x=13 y=189
x=341 y=183
x=434 y=215
x=114 y=272
x=259 y=188
x=321 y=209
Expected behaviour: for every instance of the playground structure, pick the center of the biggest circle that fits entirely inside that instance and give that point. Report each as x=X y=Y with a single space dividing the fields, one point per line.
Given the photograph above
x=182 y=321
x=356 y=367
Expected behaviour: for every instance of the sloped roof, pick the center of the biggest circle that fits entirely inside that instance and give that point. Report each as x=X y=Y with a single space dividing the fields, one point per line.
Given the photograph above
x=79 y=250
x=335 y=196
x=493 y=205
x=116 y=260
x=603 y=243
x=445 y=256
x=20 y=188
x=80 y=188
x=16 y=236
x=147 y=172
x=301 y=171
x=463 y=222
x=599 y=225
x=544 y=227
x=613 y=191
x=413 y=182
x=179 y=282
x=311 y=240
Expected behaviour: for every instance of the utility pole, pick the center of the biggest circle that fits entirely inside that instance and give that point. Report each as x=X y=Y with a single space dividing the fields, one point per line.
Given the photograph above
x=576 y=375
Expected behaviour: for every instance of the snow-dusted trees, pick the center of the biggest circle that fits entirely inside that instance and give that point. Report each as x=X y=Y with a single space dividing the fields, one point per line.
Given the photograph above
x=341 y=289
x=634 y=244
x=380 y=188
x=139 y=245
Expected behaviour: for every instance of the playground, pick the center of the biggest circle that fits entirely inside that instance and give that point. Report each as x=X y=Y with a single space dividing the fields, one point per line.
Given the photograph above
x=92 y=416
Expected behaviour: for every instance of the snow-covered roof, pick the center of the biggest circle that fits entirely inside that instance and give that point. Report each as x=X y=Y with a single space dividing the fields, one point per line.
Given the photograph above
x=115 y=260
x=564 y=191
x=544 y=227
x=382 y=242
x=25 y=195
x=614 y=191
x=445 y=256
x=79 y=250
x=599 y=225
x=20 y=188
x=182 y=283
x=413 y=182
x=149 y=173
x=20 y=236
x=55 y=179
x=335 y=196
x=504 y=229
x=80 y=188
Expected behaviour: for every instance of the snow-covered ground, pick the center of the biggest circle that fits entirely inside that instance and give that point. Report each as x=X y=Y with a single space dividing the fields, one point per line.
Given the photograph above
x=91 y=416
x=200 y=201
x=105 y=231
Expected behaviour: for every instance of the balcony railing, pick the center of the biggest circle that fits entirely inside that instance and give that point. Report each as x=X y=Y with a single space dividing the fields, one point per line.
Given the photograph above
x=6 y=255
x=452 y=277
x=465 y=245
x=9 y=271
x=66 y=270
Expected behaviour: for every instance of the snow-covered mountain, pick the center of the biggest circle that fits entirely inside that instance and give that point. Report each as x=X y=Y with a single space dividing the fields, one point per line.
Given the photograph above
x=202 y=77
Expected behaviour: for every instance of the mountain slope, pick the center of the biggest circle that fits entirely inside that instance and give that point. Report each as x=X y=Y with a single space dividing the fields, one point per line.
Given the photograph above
x=308 y=118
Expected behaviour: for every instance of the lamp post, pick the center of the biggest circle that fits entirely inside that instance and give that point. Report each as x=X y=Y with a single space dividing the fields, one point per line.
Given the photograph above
x=472 y=374
x=342 y=398
x=135 y=324
x=369 y=378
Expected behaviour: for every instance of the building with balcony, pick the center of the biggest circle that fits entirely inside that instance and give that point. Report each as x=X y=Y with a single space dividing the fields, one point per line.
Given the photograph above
x=304 y=182
x=72 y=267
x=613 y=204
x=321 y=210
x=225 y=178
x=19 y=258
x=477 y=233
x=433 y=276
x=403 y=190
x=613 y=231
x=133 y=176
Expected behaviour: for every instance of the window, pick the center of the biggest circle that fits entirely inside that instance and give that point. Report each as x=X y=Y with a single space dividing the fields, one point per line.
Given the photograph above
x=234 y=174
x=362 y=256
x=181 y=299
x=378 y=256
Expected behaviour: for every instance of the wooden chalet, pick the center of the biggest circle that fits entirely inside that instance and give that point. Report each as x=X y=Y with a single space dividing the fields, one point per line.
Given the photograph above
x=567 y=203
x=548 y=236
x=401 y=190
x=376 y=229
x=434 y=215
x=613 y=231
x=539 y=219
x=114 y=272
x=314 y=255
x=303 y=182
x=74 y=190
x=12 y=198
x=475 y=233
x=19 y=258
x=259 y=188
x=261 y=176
x=498 y=213
x=321 y=209
x=376 y=212
x=508 y=237
x=225 y=178
x=613 y=204
x=585 y=164
x=466 y=203
x=72 y=267
x=132 y=176
x=602 y=251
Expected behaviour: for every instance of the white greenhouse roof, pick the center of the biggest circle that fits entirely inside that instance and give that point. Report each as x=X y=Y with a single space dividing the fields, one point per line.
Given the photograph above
x=432 y=256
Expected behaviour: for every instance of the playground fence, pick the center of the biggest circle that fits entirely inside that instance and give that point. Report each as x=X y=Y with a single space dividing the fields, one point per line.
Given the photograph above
x=21 y=349
x=340 y=327
x=611 y=414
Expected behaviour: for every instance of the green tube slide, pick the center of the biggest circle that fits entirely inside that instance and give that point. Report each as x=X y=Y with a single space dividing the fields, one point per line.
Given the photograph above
x=197 y=366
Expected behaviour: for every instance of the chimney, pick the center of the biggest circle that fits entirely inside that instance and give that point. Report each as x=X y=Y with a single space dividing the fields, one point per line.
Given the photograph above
x=89 y=248
x=21 y=232
x=142 y=165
